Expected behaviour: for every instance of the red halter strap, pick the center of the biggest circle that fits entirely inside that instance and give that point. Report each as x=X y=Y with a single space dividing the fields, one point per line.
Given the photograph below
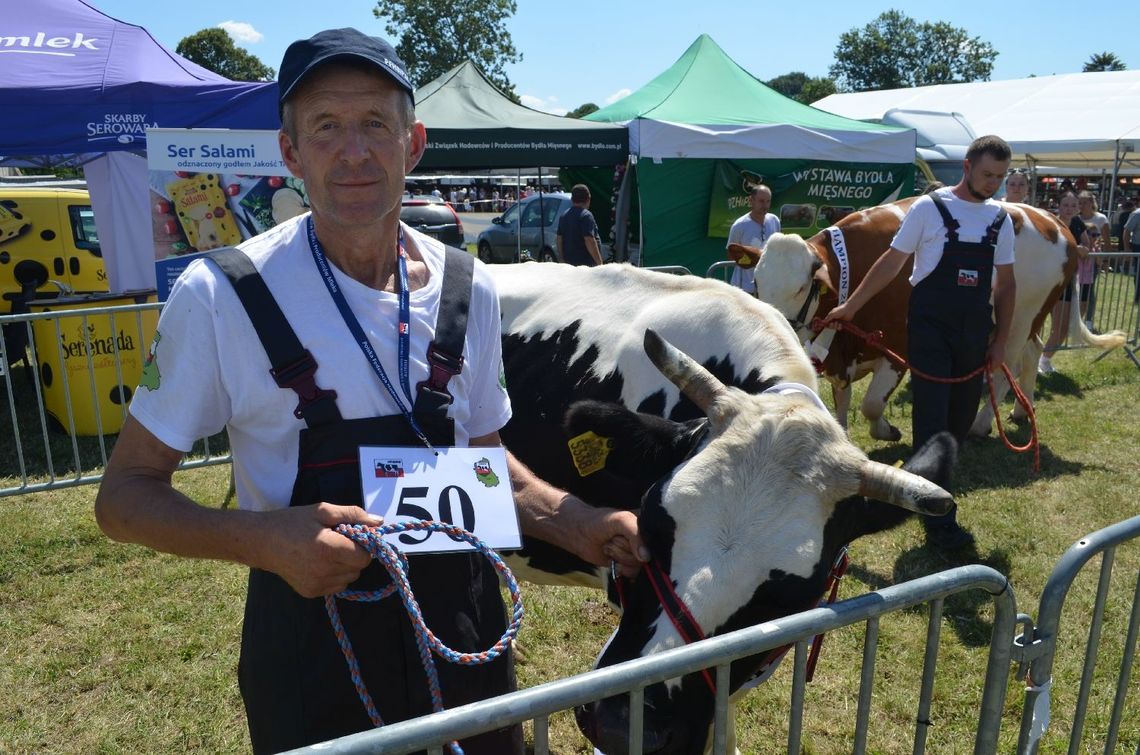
x=677 y=611
x=690 y=631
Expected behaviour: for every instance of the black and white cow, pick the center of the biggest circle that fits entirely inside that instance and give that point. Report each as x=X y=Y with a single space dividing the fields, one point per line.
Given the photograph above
x=746 y=497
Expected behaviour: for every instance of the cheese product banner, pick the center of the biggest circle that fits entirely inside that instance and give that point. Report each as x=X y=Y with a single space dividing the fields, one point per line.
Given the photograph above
x=214 y=188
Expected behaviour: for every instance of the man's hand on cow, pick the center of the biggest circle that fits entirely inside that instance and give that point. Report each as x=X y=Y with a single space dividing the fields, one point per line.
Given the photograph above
x=610 y=536
x=844 y=312
x=303 y=547
x=625 y=550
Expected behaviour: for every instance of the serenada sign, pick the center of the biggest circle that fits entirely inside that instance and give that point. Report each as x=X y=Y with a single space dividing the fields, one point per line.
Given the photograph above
x=34 y=44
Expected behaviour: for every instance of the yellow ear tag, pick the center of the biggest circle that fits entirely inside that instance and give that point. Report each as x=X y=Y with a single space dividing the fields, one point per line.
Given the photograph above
x=822 y=288
x=744 y=260
x=589 y=452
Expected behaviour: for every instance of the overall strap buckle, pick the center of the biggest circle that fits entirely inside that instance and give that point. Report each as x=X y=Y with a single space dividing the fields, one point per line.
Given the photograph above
x=300 y=377
x=994 y=229
x=442 y=367
x=948 y=220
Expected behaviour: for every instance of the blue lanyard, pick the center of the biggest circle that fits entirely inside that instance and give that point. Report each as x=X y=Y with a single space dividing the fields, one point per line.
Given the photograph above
x=403 y=325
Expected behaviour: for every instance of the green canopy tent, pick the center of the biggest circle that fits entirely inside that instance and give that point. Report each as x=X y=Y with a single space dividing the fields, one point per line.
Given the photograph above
x=471 y=124
x=705 y=129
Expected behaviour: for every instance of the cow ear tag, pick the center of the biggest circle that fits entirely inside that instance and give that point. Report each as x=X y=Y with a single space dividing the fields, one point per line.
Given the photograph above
x=589 y=452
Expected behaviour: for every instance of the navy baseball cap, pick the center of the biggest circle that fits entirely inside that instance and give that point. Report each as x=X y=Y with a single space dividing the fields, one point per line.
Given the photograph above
x=306 y=55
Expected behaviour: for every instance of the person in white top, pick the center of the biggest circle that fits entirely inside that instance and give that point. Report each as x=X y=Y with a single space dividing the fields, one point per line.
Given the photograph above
x=961 y=240
x=1100 y=234
x=349 y=130
x=1067 y=213
x=753 y=229
x=1017 y=187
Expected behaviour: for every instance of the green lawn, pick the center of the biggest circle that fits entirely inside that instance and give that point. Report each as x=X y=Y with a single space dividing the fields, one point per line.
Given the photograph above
x=111 y=648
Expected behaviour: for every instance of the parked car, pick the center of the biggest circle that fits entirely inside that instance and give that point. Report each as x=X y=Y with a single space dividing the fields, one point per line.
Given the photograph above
x=537 y=218
x=433 y=217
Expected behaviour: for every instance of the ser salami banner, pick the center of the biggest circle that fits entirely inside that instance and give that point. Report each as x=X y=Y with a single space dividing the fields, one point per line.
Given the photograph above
x=213 y=188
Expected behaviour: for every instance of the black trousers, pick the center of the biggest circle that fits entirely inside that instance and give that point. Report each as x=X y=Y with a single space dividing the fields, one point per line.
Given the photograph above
x=945 y=342
x=294 y=679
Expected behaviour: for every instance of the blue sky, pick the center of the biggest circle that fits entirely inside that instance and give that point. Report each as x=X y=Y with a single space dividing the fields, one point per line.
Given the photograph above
x=596 y=50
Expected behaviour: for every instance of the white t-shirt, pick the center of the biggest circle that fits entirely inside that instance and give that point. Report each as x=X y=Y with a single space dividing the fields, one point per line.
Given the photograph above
x=1098 y=220
x=747 y=231
x=213 y=370
x=924 y=234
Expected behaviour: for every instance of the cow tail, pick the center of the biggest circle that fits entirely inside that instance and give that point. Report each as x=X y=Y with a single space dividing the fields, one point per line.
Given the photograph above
x=1079 y=332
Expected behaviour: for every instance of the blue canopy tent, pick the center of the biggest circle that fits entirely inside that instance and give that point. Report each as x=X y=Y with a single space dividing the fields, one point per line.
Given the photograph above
x=74 y=81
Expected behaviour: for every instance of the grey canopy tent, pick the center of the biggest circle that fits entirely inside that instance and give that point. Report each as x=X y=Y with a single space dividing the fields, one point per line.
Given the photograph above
x=471 y=124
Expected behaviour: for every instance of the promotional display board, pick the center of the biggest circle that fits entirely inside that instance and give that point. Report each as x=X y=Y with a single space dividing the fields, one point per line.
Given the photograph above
x=214 y=188
x=807 y=195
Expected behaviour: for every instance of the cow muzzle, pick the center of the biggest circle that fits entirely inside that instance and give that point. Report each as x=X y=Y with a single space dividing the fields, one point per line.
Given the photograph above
x=606 y=724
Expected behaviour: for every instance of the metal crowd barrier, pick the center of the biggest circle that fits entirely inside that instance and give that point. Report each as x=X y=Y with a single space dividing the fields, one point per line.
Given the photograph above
x=1038 y=644
x=57 y=384
x=671 y=269
x=721 y=270
x=1113 y=300
x=538 y=703
x=1034 y=649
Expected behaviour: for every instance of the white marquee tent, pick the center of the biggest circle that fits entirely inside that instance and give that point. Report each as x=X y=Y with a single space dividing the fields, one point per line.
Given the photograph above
x=1088 y=121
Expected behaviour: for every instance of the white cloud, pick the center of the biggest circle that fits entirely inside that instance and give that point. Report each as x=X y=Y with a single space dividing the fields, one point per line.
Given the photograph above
x=242 y=31
x=548 y=105
x=618 y=95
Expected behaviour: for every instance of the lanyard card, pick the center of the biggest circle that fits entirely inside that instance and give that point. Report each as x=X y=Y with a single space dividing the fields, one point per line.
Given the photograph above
x=466 y=487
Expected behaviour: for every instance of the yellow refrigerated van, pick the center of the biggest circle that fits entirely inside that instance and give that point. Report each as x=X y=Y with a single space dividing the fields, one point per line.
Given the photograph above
x=48 y=244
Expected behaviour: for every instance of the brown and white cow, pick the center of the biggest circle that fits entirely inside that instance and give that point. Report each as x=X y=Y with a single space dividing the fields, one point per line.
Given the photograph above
x=1045 y=256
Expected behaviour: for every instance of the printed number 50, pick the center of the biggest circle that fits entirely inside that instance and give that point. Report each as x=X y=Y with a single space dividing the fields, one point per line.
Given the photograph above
x=406 y=508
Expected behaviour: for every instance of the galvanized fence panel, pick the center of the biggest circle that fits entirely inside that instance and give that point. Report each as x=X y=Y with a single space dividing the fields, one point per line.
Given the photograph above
x=67 y=394
x=721 y=270
x=671 y=269
x=1113 y=300
x=538 y=703
x=1037 y=646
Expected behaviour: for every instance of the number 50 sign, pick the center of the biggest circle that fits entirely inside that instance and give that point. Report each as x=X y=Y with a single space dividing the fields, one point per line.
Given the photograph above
x=467 y=487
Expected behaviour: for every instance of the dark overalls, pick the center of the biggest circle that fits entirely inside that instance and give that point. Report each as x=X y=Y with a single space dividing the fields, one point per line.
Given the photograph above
x=948 y=330
x=293 y=677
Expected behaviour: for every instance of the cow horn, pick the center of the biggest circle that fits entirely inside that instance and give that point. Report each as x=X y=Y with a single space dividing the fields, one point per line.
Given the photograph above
x=695 y=381
x=883 y=482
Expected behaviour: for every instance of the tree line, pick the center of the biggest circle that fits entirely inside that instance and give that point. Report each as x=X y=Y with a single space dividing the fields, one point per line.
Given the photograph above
x=433 y=36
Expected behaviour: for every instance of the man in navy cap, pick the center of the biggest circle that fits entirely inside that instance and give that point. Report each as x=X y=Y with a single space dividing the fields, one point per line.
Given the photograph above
x=337 y=329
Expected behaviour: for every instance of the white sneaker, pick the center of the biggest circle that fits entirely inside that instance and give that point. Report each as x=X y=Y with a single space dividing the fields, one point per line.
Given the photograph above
x=1045 y=366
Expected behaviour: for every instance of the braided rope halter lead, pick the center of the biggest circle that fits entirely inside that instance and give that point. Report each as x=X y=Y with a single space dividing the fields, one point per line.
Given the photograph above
x=396 y=563
x=875 y=339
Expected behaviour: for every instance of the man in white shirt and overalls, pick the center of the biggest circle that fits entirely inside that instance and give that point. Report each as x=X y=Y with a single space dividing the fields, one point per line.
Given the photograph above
x=959 y=238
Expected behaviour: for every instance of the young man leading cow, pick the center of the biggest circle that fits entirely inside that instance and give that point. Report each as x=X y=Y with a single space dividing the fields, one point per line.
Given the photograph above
x=959 y=238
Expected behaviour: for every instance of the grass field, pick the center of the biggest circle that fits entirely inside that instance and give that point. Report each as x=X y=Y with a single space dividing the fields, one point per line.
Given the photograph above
x=112 y=648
